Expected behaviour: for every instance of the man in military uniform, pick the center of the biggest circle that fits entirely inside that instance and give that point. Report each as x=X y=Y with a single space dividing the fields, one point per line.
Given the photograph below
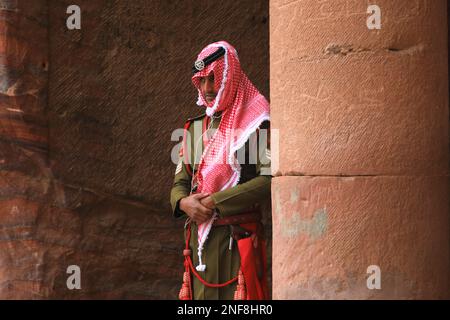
x=220 y=182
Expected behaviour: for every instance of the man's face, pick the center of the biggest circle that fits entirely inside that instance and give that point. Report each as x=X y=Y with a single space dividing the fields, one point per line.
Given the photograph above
x=207 y=88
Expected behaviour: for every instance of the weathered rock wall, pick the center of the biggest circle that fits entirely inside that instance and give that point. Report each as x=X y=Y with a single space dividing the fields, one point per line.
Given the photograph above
x=86 y=121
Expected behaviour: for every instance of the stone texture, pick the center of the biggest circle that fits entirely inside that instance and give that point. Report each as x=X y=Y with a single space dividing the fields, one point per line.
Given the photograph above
x=113 y=240
x=86 y=120
x=125 y=76
x=23 y=146
x=364 y=101
x=328 y=230
x=370 y=105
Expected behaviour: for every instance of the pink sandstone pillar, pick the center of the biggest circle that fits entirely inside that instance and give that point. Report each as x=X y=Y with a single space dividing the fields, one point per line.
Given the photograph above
x=362 y=177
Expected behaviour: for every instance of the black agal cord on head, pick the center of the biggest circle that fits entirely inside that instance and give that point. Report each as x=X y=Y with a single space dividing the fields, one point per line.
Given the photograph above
x=199 y=65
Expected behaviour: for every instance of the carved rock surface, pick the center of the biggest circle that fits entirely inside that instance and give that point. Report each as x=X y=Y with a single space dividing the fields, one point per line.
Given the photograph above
x=86 y=118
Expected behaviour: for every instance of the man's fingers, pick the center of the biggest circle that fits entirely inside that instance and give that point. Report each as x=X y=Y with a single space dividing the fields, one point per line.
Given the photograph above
x=200 y=195
x=206 y=204
x=205 y=210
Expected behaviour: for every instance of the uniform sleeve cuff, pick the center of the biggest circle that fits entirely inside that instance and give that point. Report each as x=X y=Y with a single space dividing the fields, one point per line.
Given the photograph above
x=219 y=207
x=178 y=213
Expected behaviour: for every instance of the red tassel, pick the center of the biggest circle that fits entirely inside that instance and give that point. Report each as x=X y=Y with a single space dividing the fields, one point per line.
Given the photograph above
x=185 y=291
x=241 y=292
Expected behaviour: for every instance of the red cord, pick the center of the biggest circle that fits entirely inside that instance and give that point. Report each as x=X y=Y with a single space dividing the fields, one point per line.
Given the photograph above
x=187 y=156
x=189 y=261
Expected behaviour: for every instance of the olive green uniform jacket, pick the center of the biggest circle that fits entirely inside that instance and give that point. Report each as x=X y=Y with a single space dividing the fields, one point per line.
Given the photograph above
x=222 y=264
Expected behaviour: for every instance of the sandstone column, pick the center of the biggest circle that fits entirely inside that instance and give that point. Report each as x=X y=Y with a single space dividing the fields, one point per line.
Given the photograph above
x=23 y=145
x=362 y=177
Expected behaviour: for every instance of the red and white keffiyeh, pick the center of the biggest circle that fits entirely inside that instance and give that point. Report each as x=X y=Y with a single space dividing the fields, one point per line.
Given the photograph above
x=243 y=108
